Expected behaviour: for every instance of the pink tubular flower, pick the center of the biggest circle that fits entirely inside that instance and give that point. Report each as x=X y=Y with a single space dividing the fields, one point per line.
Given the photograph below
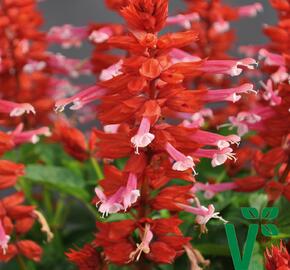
x=111 y=128
x=33 y=66
x=80 y=99
x=4 y=238
x=180 y=56
x=144 y=245
x=209 y=138
x=270 y=94
x=197 y=119
x=230 y=67
x=218 y=157
x=122 y=199
x=111 y=204
x=101 y=35
x=182 y=162
x=210 y=190
x=111 y=71
x=208 y=213
x=19 y=136
x=183 y=20
x=67 y=35
x=59 y=87
x=68 y=66
x=271 y=59
x=203 y=214
x=280 y=75
x=243 y=120
x=250 y=50
x=15 y=109
x=229 y=94
x=221 y=26
x=130 y=193
x=143 y=137
x=250 y=10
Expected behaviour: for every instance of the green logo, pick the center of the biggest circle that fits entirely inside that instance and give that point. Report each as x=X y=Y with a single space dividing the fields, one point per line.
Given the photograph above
x=242 y=262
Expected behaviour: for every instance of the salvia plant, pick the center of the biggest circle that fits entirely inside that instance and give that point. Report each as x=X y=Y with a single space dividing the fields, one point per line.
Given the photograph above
x=181 y=133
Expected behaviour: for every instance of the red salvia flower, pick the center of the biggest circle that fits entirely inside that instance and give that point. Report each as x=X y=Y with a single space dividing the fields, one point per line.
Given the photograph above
x=23 y=52
x=6 y=143
x=114 y=237
x=138 y=92
x=86 y=258
x=277 y=258
x=268 y=114
x=73 y=140
x=148 y=16
x=24 y=91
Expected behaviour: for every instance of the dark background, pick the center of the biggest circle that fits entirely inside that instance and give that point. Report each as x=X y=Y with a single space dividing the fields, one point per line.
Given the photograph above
x=82 y=12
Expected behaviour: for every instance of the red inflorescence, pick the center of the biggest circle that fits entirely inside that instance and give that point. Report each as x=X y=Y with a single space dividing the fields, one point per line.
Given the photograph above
x=152 y=105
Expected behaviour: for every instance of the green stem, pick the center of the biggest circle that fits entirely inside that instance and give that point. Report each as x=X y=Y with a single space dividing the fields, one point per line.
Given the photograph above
x=25 y=186
x=57 y=220
x=47 y=202
x=222 y=176
x=213 y=249
x=58 y=242
x=97 y=168
x=20 y=262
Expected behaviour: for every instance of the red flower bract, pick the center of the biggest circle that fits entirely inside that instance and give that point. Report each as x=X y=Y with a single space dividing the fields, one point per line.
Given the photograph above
x=146 y=15
x=277 y=258
x=86 y=258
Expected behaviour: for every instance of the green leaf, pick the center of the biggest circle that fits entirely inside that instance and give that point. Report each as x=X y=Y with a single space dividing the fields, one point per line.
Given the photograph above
x=61 y=179
x=213 y=249
x=120 y=163
x=165 y=267
x=206 y=171
x=270 y=213
x=284 y=218
x=269 y=230
x=250 y=213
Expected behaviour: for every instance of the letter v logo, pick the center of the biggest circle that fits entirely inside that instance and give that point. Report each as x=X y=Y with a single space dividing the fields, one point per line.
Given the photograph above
x=241 y=262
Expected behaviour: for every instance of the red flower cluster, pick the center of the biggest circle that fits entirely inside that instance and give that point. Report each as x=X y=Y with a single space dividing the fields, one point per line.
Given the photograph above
x=87 y=258
x=154 y=96
x=24 y=83
x=73 y=140
x=16 y=219
x=268 y=114
x=213 y=25
x=24 y=76
x=277 y=258
x=139 y=94
x=211 y=20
